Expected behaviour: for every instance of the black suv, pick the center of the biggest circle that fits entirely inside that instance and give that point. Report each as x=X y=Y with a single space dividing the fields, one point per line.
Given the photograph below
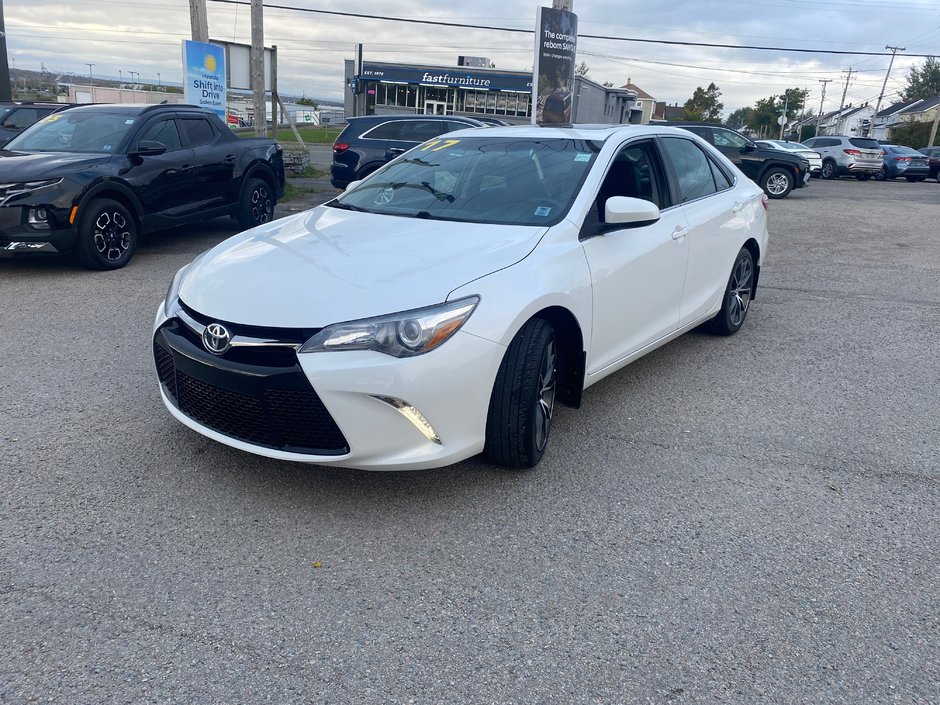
x=16 y=117
x=90 y=179
x=774 y=171
x=372 y=141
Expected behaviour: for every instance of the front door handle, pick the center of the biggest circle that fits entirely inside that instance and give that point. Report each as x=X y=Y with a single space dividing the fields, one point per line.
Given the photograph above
x=737 y=207
x=229 y=158
x=186 y=169
x=396 y=150
x=680 y=232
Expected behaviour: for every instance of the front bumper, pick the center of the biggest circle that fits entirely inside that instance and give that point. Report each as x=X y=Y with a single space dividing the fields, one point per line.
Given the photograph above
x=231 y=402
x=17 y=236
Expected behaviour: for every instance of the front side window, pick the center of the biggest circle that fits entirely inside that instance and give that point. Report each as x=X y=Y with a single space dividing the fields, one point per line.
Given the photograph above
x=164 y=132
x=727 y=138
x=692 y=168
x=636 y=172
x=506 y=181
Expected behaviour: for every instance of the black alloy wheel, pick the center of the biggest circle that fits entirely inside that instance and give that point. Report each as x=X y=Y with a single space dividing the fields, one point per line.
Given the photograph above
x=257 y=206
x=523 y=399
x=738 y=295
x=107 y=235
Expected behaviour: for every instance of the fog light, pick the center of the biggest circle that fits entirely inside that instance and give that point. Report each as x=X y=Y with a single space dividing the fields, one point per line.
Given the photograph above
x=413 y=415
x=38 y=218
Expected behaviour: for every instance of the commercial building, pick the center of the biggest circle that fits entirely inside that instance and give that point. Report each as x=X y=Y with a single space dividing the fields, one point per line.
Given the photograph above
x=381 y=88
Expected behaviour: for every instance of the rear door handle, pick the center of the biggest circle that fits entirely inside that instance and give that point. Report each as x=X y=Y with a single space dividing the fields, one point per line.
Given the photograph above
x=396 y=150
x=186 y=169
x=737 y=207
x=680 y=232
x=230 y=157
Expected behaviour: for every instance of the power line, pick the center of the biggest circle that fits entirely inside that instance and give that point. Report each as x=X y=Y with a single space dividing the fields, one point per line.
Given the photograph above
x=464 y=25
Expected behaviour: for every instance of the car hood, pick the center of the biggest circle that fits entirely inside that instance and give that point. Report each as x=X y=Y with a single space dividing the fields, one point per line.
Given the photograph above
x=33 y=166
x=329 y=265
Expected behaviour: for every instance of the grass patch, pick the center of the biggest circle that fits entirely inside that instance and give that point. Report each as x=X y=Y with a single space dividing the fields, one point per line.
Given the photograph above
x=310 y=135
x=292 y=192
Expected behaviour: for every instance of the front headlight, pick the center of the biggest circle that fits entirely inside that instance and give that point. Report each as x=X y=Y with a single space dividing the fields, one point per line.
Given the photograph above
x=173 y=291
x=400 y=334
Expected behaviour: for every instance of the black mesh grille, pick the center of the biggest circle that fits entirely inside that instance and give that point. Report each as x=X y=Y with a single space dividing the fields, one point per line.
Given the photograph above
x=271 y=406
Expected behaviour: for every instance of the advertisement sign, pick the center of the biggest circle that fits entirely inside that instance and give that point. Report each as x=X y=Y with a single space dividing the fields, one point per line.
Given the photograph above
x=556 y=40
x=459 y=78
x=204 y=71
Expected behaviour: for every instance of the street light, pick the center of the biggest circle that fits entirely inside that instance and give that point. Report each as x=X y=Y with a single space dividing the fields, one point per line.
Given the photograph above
x=159 y=82
x=91 y=80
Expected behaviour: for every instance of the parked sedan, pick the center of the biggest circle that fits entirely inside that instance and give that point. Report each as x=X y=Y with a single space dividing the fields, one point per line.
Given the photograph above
x=933 y=157
x=903 y=162
x=89 y=180
x=445 y=304
x=798 y=148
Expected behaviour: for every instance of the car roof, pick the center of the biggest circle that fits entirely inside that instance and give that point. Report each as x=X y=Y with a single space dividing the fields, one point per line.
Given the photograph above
x=596 y=133
x=413 y=116
x=137 y=108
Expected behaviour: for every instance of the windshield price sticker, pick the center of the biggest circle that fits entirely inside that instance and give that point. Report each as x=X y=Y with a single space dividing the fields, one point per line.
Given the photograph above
x=583 y=157
x=51 y=118
x=444 y=144
x=543 y=211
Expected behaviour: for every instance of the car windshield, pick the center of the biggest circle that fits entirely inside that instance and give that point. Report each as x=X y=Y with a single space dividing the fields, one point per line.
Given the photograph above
x=74 y=132
x=508 y=181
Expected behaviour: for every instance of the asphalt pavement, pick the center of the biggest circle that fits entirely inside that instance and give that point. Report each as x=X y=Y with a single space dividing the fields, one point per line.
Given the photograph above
x=753 y=519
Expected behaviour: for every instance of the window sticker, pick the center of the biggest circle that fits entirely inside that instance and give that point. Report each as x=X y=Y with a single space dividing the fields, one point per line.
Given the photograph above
x=129 y=122
x=583 y=157
x=438 y=146
x=543 y=211
x=106 y=148
x=51 y=118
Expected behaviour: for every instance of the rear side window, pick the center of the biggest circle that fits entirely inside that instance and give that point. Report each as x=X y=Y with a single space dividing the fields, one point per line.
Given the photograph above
x=451 y=126
x=721 y=179
x=693 y=170
x=197 y=132
x=863 y=143
x=727 y=138
x=385 y=131
x=24 y=117
x=702 y=132
x=421 y=130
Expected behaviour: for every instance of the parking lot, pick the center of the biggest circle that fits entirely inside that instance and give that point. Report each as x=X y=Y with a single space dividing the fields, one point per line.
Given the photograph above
x=752 y=519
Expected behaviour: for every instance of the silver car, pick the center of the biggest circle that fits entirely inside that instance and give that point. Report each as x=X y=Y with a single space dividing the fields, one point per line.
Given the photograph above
x=798 y=148
x=842 y=154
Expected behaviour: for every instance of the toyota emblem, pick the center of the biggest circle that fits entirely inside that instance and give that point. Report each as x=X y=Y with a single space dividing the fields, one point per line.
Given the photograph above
x=216 y=338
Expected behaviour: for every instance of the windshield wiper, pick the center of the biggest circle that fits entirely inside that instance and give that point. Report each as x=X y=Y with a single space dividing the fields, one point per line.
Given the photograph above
x=439 y=195
x=347 y=206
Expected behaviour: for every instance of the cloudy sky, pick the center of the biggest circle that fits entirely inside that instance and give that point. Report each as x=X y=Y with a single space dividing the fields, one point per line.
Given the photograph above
x=144 y=36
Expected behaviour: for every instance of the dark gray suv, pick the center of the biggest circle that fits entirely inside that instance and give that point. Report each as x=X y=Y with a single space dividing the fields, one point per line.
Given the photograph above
x=371 y=141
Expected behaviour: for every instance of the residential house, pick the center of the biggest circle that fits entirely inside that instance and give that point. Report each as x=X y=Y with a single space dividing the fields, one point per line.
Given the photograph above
x=850 y=120
x=643 y=100
x=667 y=112
x=889 y=118
x=923 y=111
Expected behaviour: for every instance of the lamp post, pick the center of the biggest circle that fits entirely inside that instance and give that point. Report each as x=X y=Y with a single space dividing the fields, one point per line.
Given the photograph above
x=91 y=81
x=159 y=82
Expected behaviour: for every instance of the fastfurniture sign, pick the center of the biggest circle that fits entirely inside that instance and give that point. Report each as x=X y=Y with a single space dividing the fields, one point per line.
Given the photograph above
x=502 y=81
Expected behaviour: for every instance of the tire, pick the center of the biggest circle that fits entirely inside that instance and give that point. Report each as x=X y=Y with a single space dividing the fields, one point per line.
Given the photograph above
x=863 y=177
x=257 y=204
x=523 y=399
x=737 y=297
x=107 y=235
x=881 y=175
x=777 y=182
x=829 y=170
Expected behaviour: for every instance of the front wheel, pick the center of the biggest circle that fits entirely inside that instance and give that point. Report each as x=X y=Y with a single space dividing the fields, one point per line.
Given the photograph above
x=777 y=182
x=881 y=175
x=257 y=204
x=523 y=398
x=829 y=170
x=738 y=295
x=107 y=235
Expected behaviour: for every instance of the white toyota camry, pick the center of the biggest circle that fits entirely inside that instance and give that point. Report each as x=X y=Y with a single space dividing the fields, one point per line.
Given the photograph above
x=443 y=306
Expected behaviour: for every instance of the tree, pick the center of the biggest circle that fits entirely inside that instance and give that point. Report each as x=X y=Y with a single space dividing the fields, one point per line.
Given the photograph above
x=703 y=106
x=608 y=84
x=763 y=116
x=738 y=118
x=923 y=81
x=912 y=134
x=582 y=69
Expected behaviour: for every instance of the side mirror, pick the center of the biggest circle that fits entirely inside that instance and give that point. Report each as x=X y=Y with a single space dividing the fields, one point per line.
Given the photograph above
x=351 y=185
x=749 y=147
x=149 y=149
x=621 y=210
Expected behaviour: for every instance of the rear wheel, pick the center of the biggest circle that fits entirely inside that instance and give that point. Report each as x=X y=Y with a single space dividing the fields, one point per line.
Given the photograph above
x=863 y=177
x=107 y=235
x=881 y=175
x=523 y=398
x=737 y=298
x=829 y=170
x=777 y=182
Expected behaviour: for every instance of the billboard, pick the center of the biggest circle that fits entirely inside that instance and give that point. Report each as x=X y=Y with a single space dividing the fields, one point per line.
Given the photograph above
x=204 y=72
x=556 y=40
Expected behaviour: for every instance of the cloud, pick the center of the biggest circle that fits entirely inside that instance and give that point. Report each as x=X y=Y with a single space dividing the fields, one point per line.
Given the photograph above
x=136 y=35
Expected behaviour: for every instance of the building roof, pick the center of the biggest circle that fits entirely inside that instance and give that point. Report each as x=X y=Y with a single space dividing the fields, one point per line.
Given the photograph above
x=640 y=93
x=852 y=111
x=897 y=107
x=925 y=104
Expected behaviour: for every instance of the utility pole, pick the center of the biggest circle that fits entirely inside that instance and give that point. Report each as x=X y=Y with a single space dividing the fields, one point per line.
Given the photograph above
x=786 y=104
x=257 y=66
x=4 y=65
x=91 y=81
x=822 y=101
x=199 y=20
x=894 y=51
x=933 y=129
x=845 y=90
